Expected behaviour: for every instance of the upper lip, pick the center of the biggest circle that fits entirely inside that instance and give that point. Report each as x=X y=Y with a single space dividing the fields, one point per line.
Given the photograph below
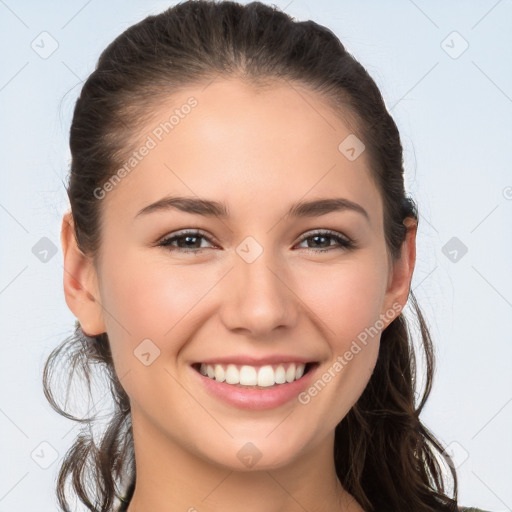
x=256 y=361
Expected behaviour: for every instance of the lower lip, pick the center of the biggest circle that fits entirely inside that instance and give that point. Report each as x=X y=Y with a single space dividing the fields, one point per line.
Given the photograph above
x=257 y=399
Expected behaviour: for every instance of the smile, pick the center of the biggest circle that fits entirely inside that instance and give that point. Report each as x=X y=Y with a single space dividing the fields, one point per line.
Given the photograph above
x=273 y=393
x=254 y=376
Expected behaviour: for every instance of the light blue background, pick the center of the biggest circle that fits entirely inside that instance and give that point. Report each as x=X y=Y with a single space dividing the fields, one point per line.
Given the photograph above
x=454 y=115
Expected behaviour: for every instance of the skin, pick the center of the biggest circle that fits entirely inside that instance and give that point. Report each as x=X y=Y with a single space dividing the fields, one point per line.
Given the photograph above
x=258 y=152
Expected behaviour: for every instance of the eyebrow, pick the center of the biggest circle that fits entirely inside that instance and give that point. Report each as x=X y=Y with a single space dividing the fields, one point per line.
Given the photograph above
x=210 y=208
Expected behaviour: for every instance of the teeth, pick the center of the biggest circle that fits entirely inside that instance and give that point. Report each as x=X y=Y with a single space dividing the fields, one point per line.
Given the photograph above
x=232 y=374
x=280 y=375
x=220 y=374
x=263 y=376
x=266 y=376
x=290 y=373
x=248 y=376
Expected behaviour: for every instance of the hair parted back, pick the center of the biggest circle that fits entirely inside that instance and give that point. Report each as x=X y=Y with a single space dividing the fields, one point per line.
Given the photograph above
x=384 y=456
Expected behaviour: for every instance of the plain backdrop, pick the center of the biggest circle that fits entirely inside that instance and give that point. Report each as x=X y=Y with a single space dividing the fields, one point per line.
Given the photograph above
x=444 y=71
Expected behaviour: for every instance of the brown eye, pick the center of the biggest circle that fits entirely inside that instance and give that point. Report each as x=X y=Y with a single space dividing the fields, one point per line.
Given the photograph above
x=321 y=241
x=190 y=241
x=186 y=241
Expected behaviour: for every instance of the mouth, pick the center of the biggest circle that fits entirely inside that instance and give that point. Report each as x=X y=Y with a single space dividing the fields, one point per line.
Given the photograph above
x=255 y=377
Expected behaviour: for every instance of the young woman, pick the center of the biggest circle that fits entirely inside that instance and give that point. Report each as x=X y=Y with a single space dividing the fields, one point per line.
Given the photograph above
x=238 y=253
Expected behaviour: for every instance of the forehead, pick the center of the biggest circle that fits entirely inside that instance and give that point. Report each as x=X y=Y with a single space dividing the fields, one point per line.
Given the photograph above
x=244 y=146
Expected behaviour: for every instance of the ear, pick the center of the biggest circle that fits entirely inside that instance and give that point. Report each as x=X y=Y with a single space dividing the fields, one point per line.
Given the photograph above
x=80 y=282
x=399 y=282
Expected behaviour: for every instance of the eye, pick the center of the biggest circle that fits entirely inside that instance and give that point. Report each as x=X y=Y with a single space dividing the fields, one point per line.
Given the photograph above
x=321 y=236
x=187 y=241
x=190 y=241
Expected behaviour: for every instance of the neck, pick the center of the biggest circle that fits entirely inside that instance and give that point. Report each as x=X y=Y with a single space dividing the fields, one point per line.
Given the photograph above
x=170 y=478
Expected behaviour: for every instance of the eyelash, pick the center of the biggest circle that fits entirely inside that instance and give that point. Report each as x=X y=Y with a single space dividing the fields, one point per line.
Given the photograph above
x=344 y=242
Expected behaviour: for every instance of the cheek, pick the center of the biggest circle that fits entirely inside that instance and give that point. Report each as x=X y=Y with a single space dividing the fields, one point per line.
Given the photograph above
x=346 y=298
x=157 y=303
x=150 y=299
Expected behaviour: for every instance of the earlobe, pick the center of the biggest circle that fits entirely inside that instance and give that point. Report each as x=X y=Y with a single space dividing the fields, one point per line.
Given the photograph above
x=80 y=281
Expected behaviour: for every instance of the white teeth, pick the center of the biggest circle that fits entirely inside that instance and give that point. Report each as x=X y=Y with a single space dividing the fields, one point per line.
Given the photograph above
x=266 y=376
x=220 y=374
x=280 y=375
x=290 y=373
x=248 y=376
x=232 y=374
x=245 y=375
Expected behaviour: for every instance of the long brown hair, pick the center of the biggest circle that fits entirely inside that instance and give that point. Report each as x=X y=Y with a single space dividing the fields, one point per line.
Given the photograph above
x=384 y=455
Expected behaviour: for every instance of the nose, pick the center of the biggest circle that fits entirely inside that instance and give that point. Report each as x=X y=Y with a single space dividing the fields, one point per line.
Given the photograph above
x=257 y=297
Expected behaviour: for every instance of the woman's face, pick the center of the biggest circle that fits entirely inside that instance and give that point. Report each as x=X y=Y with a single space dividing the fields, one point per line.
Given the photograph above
x=264 y=288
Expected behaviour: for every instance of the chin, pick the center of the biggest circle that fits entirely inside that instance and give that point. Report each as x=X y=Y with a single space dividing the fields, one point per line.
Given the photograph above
x=254 y=453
